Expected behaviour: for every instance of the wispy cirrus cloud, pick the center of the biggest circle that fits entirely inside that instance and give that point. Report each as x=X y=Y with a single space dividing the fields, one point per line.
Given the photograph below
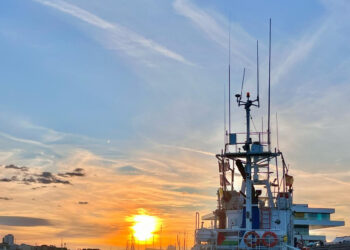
x=215 y=31
x=22 y=140
x=130 y=170
x=298 y=51
x=116 y=36
x=77 y=12
x=188 y=149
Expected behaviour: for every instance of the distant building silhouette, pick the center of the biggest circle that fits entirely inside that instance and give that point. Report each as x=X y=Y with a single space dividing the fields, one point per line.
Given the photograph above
x=9 y=239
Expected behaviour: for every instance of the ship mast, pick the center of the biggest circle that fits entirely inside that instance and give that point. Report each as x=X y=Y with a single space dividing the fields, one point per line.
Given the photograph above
x=247 y=145
x=253 y=155
x=248 y=167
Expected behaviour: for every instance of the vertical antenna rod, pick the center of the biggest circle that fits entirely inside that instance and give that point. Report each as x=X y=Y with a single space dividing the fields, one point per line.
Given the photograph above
x=242 y=84
x=229 y=79
x=269 y=95
x=257 y=72
x=262 y=129
x=225 y=130
x=278 y=143
x=278 y=180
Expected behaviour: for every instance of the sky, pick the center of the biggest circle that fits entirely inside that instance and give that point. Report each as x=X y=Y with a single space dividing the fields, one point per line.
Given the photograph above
x=111 y=109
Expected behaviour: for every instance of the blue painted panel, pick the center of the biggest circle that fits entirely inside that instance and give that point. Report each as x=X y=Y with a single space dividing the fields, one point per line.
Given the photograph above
x=233 y=139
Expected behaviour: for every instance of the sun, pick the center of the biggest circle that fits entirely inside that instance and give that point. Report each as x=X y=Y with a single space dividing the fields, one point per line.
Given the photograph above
x=144 y=226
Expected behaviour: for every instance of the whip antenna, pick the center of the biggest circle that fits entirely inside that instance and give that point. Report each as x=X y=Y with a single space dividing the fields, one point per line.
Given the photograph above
x=269 y=95
x=225 y=131
x=278 y=143
x=242 y=83
x=257 y=72
x=229 y=79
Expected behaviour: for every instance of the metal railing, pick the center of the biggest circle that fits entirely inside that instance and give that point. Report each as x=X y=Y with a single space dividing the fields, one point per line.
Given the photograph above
x=242 y=239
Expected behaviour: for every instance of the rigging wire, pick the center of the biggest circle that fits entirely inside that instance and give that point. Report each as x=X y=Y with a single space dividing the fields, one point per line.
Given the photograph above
x=251 y=118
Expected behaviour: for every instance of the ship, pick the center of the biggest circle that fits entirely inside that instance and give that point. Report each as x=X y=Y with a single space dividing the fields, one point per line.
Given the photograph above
x=260 y=213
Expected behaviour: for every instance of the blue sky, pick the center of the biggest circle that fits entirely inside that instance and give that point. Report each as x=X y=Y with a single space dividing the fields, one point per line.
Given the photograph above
x=112 y=86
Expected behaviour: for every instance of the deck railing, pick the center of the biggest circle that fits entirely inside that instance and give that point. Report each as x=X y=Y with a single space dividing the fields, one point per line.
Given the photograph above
x=240 y=239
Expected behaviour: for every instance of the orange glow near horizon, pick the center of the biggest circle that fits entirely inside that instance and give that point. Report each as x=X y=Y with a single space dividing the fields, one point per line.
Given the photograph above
x=144 y=226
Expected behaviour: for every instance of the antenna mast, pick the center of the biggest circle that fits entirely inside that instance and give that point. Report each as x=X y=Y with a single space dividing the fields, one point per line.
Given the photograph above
x=225 y=130
x=269 y=95
x=240 y=96
x=257 y=72
x=229 y=79
x=278 y=143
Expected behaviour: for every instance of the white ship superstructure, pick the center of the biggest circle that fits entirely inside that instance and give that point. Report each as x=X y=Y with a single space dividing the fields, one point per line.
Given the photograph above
x=260 y=213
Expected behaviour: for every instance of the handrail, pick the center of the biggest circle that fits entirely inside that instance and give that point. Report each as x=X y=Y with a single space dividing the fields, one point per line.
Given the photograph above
x=240 y=240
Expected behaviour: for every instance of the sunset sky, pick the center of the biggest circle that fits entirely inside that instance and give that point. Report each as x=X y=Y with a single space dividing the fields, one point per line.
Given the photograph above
x=111 y=109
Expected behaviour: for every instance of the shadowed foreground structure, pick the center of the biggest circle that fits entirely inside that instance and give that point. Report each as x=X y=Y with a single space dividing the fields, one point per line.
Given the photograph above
x=342 y=246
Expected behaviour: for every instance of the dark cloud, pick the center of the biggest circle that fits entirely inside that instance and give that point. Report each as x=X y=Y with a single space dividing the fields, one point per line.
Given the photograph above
x=46 y=175
x=16 y=167
x=22 y=221
x=76 y=172
x=44 y=178
x=129 y=170
x=5 y=180
x=13 y=178
x=29 y=180
x=41 y=178
x=83 y=202
x=6 y=198
x=48 y=178
x=35 y=188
